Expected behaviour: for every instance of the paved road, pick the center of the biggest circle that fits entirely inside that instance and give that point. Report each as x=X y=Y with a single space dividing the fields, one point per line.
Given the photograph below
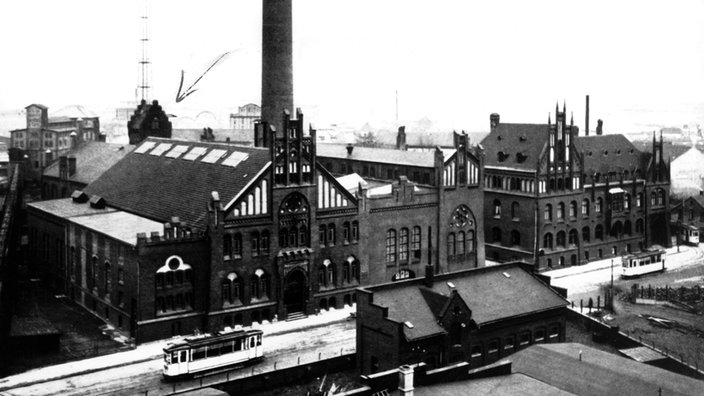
x=282 y=350
x=686 y=265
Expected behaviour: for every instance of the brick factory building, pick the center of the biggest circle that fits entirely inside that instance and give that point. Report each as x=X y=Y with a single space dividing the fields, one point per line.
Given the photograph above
x=179 y=236
x=555 y=199
x=478 y=316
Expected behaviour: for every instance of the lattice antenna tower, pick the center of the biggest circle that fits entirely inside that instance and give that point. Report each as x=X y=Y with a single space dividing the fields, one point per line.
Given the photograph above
x=145 y=71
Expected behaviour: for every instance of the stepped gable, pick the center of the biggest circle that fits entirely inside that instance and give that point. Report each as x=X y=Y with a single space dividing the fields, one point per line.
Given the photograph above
x=165 y=178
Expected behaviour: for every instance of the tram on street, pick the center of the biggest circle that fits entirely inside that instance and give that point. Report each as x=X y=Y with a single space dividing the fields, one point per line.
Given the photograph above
x=208 y=352
x=652 y=260
x=689 y=234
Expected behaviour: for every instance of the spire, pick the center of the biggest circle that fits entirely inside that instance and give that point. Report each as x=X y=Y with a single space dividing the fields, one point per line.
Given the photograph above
x=571 y=118
x=564 y=106
x=549 y=119
x=557 y=108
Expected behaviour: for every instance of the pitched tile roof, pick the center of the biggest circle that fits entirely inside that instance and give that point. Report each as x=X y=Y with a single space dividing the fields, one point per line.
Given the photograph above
x=92 y=159
x=381 y=155
x=159 y=179
x=559 y=365
x=511 y=139
x=487 y=291
x=609 y=153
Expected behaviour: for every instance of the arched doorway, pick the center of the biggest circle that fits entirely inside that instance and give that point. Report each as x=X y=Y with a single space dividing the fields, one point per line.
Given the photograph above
x=295 y=295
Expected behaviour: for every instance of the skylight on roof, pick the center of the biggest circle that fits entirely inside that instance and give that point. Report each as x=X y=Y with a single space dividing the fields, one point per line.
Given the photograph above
x=194 y=153
x=161 y=148
x=177 y=151
x=144 y=147
x=451 y=285
x=235 y=158
x=506 y=274
x=213 y=156
x=408 y=324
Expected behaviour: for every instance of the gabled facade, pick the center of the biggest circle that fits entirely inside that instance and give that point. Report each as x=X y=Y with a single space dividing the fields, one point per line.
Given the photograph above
x=556 y=199
x=149 y=119
x=258 y=233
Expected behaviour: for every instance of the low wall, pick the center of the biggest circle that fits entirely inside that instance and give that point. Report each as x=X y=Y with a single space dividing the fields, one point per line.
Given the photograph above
x=604 y=333
x=288 y=376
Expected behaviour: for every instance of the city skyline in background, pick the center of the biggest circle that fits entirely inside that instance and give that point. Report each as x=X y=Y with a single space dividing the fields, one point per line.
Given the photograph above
x=642 y=63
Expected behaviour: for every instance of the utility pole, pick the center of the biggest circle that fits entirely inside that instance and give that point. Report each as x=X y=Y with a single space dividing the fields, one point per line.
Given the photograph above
x=611 y=293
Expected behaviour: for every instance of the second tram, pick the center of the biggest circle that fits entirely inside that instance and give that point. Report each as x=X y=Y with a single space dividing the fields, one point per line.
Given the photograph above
x=652 y=260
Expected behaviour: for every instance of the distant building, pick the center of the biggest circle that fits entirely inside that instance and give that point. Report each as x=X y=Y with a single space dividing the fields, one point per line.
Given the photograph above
x=80 y=167
x=478 y=316
x=554 y=198
x=688 y=216
x=687 y=173
x=148 y=120
x=45 y=139
x=245 y=118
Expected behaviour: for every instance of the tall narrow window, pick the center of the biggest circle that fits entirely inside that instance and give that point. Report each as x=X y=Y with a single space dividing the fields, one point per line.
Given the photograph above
x=322 y=234
x=331 y=234
x=548 y=212
x=227 y=246
x=451 y=245
x=460 y=243
x=597 y=205
x=470 y=241
x=573 y=209
x=403 y=245
x=355 y=231
x=560 y=211
x=391 y=246
x=255 y=243
x=346 y=232
x=237 y=245
x=264 y=243
x=585 y=207
x=415 y=244
x=497 y=208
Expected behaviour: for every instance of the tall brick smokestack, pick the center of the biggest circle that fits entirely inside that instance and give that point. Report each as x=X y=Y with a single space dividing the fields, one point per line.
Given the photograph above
x=277 y=62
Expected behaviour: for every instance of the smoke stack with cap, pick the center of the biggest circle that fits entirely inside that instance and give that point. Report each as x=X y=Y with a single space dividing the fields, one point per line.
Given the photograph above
x=586 y=121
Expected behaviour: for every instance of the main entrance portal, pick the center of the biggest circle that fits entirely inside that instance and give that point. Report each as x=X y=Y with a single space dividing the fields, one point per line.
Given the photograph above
x=295 y=292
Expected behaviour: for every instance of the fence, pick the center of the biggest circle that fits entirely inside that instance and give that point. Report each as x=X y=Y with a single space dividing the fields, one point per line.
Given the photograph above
x=667 y=293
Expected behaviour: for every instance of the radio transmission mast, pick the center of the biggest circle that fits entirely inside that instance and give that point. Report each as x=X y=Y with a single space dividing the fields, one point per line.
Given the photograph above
x=144 y=87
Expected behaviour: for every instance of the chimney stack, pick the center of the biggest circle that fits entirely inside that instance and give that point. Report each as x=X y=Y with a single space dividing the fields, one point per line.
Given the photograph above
x=599 y=127
x=350 y=147
x=405 y=380
x=277 y=62
x=586 y=121
x=494 y=119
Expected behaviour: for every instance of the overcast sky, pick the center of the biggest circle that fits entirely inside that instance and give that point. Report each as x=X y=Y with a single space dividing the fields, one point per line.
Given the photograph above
x=642 y=62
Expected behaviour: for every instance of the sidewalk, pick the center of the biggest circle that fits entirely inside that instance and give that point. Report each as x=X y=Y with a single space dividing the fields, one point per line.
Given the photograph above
x=153 y=350
x=672 y=258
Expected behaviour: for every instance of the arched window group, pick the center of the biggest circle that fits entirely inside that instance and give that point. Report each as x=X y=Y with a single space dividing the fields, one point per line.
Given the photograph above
x=232 y=246
x=547 y=214
x=585 y=207
x=350 y=270
x=231 y=290
x=174 y=286
x=460 y=243
x=259 y=286
x=547 y=241
x=327 y=274
x=403 y=245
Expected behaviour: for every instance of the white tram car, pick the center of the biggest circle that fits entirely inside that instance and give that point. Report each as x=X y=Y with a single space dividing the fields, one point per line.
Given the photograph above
x=200 y=353
x=689 y=234
x=652 y=260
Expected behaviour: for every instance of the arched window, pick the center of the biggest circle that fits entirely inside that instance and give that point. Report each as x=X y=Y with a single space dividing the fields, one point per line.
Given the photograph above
x=391 y=246
x=322 y=235
x=585 y=207
x=237 y=245
x=470 y=241
x=661 y=196
x=599 y=232
x=573 y=209
x=627 y=201
x=346 y=270
x=403 y=245
x=496 y=235
x=573 y=237
x=227 y=246
x=560 y=211
x=259 y=285
x=321 y=275
x=653 y=198
x=331 y=275
x=598 y=205
x=560 y=239
x=586 y=234
x=547 y=241
x=639 y=199
x=515 y=238
x=451 y=242
x=354 y=268
x=460 y=243
x=497 y=208
x=514 y=210
x=616 y=229
x=264 y=242
x=627 y=227
x=548 y=212
x=415 y=244
x=639 y=226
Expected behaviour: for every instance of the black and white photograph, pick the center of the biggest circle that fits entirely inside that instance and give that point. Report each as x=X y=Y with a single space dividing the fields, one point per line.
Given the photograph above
x=351 y=198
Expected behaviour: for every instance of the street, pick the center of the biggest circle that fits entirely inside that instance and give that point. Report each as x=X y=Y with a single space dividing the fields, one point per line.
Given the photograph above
x=281 y=350
x=585 y=281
